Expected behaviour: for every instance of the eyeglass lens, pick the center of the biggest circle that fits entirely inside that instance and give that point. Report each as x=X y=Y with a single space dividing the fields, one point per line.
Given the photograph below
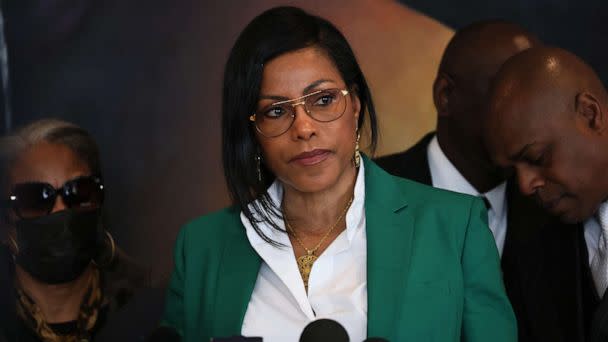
x=323 y=106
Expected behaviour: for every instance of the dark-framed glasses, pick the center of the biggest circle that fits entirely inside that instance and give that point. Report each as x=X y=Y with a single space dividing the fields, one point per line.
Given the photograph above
x=36 y=199
x=322 y=105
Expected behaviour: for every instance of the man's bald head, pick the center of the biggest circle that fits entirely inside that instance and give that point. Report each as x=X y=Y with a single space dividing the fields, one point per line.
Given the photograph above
x=546 y=116
x=477 y=51
x=468 y=65
x=551 y=75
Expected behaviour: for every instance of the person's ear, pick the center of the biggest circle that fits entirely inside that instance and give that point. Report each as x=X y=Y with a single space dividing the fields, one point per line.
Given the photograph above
x=442 y=89
x=356 y=106
x=353 y=92
x=589 y=112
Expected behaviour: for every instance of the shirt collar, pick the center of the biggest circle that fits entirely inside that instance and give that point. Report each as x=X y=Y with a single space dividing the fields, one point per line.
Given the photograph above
x=354 y=215
x=593 y=231
x=446 y=176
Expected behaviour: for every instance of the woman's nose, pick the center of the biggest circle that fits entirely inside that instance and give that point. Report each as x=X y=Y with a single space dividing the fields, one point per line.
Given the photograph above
x=304 y=126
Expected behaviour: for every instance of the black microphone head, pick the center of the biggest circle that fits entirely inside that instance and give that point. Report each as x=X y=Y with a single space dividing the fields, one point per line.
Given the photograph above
x=375 y=339
x=323 y=330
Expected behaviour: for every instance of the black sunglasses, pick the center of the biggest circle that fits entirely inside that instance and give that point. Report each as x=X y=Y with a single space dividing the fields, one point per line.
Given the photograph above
x=36 y=199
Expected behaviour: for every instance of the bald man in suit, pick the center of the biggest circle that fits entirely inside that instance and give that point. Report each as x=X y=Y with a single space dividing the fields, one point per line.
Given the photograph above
x=546 y=274
x=548 y=119
x=454 y=157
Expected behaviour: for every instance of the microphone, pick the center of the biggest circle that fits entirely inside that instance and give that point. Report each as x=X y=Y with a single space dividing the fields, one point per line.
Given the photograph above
x=164 y=334
x=323 y=330
x=375 y=339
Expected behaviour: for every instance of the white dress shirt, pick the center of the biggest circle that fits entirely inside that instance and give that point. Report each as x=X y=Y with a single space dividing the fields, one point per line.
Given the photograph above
x=280 y=308
x=444 y=175
x=592 y=235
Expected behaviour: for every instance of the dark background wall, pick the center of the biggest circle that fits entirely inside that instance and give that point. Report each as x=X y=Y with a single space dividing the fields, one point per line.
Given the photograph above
x=576 y=25
x=133 y=74
x=144 y=77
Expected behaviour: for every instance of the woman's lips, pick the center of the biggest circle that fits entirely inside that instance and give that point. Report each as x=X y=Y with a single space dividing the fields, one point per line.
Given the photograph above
x=311 y=157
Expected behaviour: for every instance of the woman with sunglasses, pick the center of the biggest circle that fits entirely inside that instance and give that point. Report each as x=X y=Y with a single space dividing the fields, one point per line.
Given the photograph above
x=66 y=279
x=317 y=230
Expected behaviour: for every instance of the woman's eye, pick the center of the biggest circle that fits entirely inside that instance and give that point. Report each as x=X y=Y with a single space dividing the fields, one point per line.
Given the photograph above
x=274 y=112
x=324 y=100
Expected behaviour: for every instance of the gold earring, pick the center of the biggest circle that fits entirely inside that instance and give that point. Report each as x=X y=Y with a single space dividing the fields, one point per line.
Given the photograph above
x=108 y=261
x=357 y=156
x=112 y=246
x=258 y=161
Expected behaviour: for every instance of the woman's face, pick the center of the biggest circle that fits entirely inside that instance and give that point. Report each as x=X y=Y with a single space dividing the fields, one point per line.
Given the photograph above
x=49 y=163
x=311 y=156
x=52 y=249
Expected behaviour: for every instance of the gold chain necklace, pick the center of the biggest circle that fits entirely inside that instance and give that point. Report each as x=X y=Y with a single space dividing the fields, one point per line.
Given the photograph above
x=306 y=261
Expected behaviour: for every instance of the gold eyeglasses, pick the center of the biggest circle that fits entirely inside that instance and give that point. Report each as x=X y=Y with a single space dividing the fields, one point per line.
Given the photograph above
x=322 y=105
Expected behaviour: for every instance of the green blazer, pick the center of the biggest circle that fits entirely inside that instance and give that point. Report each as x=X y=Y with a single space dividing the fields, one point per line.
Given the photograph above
x=433 y=272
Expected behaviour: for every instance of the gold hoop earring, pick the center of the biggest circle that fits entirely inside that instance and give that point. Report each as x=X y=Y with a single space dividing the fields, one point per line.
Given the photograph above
x=112 y=244
x=357 y=156
x=112 y=252
x=258 y=161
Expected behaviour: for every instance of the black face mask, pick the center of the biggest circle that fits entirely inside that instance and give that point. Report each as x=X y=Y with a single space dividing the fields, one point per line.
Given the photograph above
x=57 y=248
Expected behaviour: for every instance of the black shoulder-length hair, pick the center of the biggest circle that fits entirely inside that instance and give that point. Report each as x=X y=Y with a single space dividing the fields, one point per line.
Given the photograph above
x=271 y=34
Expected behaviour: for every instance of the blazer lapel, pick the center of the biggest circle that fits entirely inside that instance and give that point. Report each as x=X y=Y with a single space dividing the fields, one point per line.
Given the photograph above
x=390 y=230
x=238 y=273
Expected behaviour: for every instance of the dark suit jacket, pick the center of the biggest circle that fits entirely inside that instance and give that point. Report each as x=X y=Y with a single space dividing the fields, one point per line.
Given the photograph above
x=545 y=263
x=599 y=324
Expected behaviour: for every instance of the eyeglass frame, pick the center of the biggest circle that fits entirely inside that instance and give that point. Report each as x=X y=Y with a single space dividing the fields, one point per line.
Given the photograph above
x=302 y=102
x=10 y=203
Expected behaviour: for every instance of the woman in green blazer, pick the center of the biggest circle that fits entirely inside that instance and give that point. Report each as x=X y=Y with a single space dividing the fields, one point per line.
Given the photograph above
x=316 y=229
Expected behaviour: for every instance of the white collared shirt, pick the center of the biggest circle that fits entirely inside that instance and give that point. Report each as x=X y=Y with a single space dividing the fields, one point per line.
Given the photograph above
x=280 y=308
x=444 y=175
x=592 y=235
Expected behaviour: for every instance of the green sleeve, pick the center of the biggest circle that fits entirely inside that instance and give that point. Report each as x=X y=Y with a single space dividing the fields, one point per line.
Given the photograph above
x=488 y=315
x=174 y=304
